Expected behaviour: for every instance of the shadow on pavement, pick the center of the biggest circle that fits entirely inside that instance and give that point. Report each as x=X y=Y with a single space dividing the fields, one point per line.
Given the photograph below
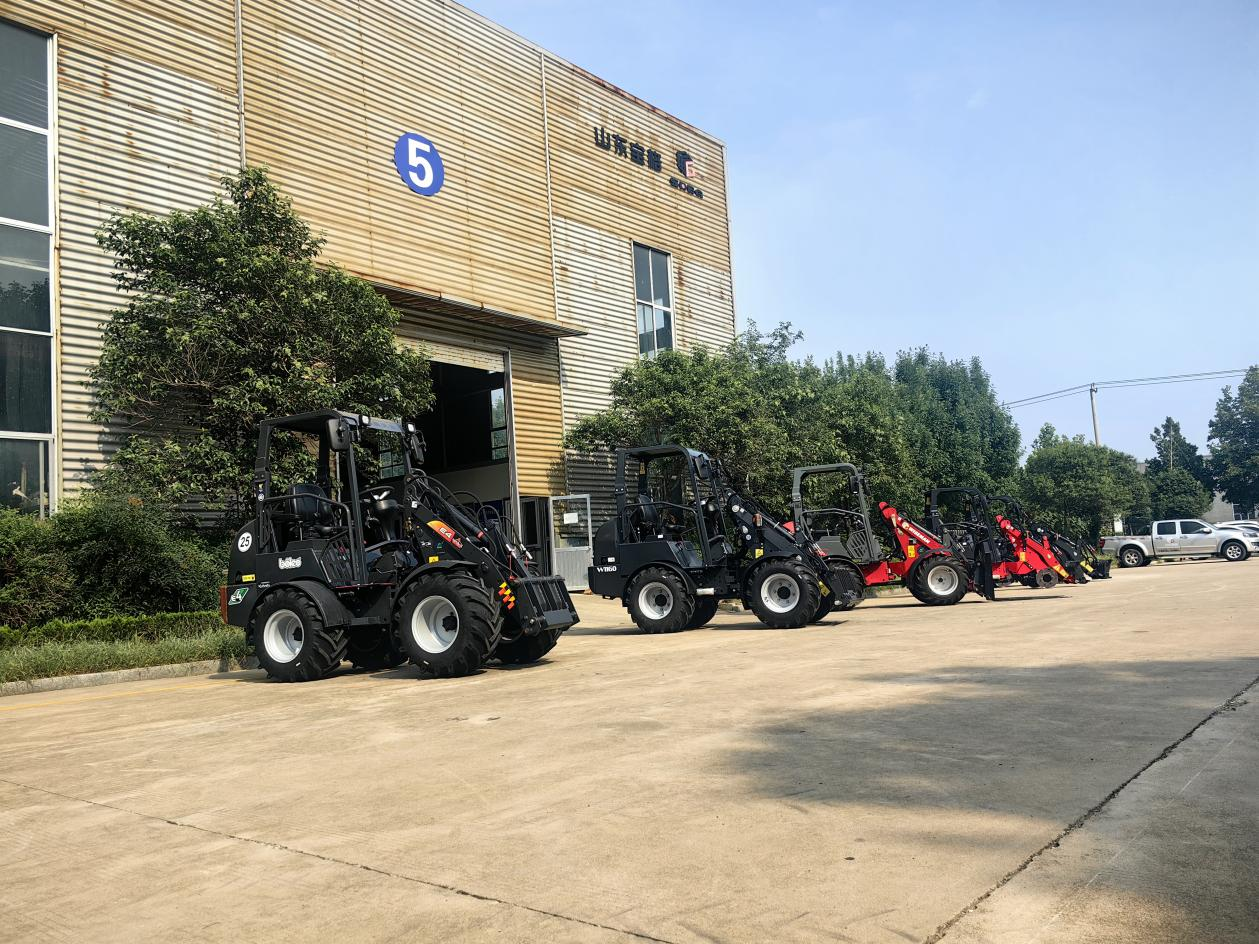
x=1041 y=740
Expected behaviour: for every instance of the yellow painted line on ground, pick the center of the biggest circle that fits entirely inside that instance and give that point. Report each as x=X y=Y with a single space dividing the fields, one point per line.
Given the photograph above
x=142 y=691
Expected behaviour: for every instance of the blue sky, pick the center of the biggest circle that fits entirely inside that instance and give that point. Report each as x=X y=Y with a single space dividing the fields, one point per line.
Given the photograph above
x=1069 y=191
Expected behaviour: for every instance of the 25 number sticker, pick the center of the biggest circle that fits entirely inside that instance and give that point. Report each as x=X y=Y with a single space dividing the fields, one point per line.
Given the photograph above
x=419 y=165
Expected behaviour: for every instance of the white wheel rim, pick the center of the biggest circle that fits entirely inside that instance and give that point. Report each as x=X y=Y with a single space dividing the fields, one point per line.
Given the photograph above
x=942 y=580
x=780 y=593
x=1131 y=557
x=435 y=624
x=655 y=600
x=1233 y=552
x=282 y=635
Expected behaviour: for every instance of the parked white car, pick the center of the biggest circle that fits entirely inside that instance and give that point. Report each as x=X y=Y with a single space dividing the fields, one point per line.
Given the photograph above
x=1181 y=537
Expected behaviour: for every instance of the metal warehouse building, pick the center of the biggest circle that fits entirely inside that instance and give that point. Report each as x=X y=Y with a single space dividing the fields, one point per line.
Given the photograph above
x=537 y=227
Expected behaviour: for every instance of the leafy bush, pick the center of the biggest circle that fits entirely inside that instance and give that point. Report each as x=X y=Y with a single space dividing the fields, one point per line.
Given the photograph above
x=102 y=557
x=126 y=558
x=73 y=658
x=112 y=629
x=35 y=579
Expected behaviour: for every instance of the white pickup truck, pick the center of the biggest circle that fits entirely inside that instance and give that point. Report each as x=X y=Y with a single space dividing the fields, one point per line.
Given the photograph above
x=1181 y=537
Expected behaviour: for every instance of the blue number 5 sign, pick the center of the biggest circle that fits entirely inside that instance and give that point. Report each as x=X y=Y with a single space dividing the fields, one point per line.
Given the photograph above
x=419 y=165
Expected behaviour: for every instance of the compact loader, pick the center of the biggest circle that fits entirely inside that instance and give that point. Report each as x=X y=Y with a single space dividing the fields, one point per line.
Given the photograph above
x=379 y=568
x=933 y=570
x=684 y=538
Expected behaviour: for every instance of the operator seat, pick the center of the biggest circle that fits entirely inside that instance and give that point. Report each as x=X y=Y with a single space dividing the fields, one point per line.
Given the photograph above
x=311 y=516
x=648 y=518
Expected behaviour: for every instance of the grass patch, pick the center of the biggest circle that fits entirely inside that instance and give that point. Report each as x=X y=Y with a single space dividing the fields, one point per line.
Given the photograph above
x=152 y=627
x=50 y=659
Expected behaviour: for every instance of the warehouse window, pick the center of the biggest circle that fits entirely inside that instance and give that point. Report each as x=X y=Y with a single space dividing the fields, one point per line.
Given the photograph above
x=25 y=266
x=654 y=294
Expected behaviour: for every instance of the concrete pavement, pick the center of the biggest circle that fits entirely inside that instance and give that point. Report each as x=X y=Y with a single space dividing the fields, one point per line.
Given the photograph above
x=869 y=779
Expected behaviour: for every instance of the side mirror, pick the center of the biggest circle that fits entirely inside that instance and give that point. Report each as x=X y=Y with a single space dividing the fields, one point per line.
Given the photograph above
x=415 y=440
x=339 y=438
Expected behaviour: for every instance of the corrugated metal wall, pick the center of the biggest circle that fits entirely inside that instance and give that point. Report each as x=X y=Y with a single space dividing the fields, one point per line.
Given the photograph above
x=146 y=119
x=602 y=205
x=330 y=86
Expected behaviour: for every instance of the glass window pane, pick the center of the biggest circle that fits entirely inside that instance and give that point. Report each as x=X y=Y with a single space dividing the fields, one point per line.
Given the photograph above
x=498 y=408
x=660 y=279
x=23 y=279
x=24 y=476
x=646 y=329
x=23 y=76
x=25 y=382
x=498 y=437
x=664 y=331
x=1192 y=527
x=24 y=178
x=642 y=273
x=1167 y=527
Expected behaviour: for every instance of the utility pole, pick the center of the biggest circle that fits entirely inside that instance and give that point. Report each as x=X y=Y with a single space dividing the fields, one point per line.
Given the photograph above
x=1097 y=433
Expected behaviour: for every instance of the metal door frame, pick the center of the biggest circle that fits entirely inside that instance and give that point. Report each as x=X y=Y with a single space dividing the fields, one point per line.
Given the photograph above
x=550 y=515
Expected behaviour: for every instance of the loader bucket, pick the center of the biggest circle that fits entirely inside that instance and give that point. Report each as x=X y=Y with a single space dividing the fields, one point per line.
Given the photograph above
x=543 y=604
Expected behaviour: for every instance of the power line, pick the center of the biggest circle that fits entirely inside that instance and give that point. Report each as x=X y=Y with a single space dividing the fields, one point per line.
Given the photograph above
x=1117 y=384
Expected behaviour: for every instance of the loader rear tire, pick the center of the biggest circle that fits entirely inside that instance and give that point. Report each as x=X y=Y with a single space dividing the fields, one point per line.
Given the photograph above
x=291 y=641
x=660 y=602
x=784 y=594
x=447 y=624
x=938 y=581
x=374 y=649
x=705 y=610
x=526 y=649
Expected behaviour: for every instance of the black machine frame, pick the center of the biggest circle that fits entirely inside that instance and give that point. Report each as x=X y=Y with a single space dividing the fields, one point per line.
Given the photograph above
x=354 y=560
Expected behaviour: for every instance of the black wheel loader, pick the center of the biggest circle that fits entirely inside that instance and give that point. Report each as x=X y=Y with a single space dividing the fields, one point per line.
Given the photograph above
x=370 y=559
x=683 y=539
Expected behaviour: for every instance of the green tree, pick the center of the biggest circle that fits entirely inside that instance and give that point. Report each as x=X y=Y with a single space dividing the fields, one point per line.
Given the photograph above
x=1174 y=451
x=957 y=429
x=1175 y=493
x=761 y=412
x=1048 y=436
x=230 y=320
x=1079 y=489
x=1234 y=442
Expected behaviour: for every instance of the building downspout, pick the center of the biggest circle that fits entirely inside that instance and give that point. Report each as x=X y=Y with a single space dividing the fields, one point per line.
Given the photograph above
x=240 y=82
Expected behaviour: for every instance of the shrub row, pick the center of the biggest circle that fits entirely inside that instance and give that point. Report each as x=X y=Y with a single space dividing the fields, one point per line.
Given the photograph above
x=99 y=557
x=52 y=659
x=149 y=628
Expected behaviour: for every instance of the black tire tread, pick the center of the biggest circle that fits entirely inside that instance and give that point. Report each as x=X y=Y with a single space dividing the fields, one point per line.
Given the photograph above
x=526 y=649
x=917 y=582
x=483 y=624
x=705 y=610
x=679 y=619
x=327 y=645
x=809 y=605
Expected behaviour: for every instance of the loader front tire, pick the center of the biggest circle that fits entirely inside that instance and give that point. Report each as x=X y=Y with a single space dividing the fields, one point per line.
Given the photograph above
x=784 y=594
x=660 y=602
x=938 y=581
x=447 y=624
x=526 y=649
x=291 y=641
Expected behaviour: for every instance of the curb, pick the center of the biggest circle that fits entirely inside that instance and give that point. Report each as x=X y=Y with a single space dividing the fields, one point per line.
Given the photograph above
x=92 y=679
